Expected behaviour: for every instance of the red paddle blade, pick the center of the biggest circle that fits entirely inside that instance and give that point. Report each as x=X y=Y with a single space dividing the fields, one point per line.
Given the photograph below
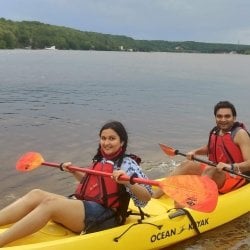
x=196 y=192
x=29 y=161
x=168 y=150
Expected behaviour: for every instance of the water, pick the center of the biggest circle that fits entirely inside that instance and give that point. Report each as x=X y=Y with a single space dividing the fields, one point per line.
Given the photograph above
x=55 y=102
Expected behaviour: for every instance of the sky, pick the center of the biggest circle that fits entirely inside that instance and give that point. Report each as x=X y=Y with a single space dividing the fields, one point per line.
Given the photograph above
x=215 y=21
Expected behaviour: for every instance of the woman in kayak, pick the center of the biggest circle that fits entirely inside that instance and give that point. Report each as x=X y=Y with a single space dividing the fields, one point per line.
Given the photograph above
x=99 y=202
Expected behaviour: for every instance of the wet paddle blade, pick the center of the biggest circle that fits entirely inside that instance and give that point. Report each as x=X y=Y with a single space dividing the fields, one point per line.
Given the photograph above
x=168 y=150
x=196 y=192
x=29 y=161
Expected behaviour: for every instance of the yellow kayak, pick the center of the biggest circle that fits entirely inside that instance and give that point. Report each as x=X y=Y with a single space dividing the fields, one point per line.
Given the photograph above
x=161 y=227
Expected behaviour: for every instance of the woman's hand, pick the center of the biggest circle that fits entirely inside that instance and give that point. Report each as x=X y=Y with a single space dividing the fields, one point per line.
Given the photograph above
x=118 y=173
x=65 y=166
x=138 y=190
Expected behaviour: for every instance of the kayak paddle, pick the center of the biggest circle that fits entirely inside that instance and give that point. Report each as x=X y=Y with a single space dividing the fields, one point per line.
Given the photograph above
x=196 y=192
x=172 y=152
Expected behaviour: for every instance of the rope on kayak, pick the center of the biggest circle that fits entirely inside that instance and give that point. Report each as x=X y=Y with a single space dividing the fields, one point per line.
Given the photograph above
x=116 y=239
x=141 y=213
x=183 y=211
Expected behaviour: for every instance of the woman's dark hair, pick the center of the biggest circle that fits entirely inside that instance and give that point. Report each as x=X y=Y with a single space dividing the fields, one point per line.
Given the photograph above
x=122 y=133
x=225 y=104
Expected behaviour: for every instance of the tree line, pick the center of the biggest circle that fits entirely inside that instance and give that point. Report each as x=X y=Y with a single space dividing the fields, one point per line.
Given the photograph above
x=37 y=35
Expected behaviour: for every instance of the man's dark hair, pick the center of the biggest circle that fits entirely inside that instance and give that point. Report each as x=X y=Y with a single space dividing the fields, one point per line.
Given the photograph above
x=225 y=104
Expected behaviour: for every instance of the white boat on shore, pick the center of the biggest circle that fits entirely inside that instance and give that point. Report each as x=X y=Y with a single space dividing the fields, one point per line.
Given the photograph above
x=51 y=48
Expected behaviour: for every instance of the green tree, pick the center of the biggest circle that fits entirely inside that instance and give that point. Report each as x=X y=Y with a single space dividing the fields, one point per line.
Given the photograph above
x=10 y=39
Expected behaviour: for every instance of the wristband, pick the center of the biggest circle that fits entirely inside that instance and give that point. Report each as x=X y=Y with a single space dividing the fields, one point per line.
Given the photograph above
x=232 y=167
x=131 y=181
x=61 y=166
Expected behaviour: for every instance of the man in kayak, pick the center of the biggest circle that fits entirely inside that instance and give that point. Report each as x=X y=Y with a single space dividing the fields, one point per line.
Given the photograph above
x=228 y=147
x=99 y=202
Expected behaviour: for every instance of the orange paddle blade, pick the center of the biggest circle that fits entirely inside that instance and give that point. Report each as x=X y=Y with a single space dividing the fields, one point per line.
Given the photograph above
x=168 y=150
x=29 y=161
x=201 y=194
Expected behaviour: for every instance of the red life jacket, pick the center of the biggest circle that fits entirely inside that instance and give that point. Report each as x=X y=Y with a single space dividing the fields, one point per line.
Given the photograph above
x=100 y=189
x=223 y=148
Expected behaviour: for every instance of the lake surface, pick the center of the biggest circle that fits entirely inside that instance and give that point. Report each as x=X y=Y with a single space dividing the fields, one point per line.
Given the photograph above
x=55 y=102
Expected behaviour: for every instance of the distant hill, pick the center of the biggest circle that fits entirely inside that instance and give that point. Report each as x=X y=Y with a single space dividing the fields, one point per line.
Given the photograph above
x=36 y=35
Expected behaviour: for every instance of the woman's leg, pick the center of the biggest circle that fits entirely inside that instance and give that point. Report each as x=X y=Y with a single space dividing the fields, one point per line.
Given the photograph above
x=69 y=213
x=22 y=206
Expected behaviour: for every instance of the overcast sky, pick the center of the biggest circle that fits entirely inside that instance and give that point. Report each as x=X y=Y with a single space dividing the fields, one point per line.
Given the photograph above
x=217 y=21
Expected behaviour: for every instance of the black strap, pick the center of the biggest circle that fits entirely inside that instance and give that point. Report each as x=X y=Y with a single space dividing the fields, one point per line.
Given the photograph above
x=141 y=213
x=183 y=211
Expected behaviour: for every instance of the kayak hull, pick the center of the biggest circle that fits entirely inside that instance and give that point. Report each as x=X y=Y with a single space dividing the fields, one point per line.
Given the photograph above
x=165 y=226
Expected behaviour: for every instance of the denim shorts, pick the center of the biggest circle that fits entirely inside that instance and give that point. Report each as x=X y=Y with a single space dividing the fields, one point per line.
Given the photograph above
x=97 y=217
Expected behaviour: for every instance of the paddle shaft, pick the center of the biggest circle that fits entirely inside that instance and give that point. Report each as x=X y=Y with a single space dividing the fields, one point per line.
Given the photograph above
x=105 y=174
x=179 y=188
x=213 y=164
x=201 y=204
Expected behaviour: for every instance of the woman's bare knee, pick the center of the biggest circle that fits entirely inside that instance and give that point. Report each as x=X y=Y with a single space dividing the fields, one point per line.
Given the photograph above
x=34 y=197
x=35 y=193
x=52 y=204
